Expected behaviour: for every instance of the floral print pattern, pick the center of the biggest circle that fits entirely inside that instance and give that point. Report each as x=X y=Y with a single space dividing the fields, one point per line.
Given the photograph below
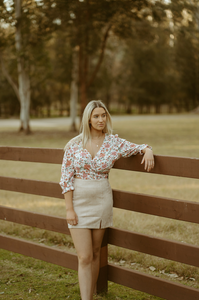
x=78 y=162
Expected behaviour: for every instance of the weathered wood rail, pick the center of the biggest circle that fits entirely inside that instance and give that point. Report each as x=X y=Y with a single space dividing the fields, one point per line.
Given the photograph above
x=159 y=206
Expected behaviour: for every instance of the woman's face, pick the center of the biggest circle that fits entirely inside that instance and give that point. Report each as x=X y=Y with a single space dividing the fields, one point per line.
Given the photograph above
x=98 y=119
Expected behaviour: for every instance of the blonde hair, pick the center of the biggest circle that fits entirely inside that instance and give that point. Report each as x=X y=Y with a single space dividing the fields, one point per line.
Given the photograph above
x=85 y=133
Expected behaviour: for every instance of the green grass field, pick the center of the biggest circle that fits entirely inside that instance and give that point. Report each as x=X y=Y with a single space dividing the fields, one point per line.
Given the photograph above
x=168 y=135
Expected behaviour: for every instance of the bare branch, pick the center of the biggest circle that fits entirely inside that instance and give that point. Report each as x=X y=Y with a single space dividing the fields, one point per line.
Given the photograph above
x=9 y=78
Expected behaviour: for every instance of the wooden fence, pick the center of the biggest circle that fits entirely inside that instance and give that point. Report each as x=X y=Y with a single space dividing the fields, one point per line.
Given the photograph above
x=158 y=206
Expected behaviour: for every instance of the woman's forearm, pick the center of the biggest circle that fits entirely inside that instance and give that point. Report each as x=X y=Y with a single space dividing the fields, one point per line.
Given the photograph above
x=69 y=200
x=71 y=216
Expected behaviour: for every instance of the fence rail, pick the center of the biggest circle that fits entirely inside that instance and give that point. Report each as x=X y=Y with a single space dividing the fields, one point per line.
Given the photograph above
x=159 y=206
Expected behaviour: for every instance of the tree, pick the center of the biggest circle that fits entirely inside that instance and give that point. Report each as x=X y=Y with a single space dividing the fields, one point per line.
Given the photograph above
x=185 y=19
x=89 y=24
x=26 y=22
x=128 y=51
x=23 y=72
x=74 y=88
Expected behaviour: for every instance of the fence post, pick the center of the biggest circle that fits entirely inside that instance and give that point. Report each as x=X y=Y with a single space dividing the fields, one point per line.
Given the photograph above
x=102 y=282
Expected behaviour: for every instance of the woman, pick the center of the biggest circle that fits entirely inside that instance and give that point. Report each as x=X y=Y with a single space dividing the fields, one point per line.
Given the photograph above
x=87 y=161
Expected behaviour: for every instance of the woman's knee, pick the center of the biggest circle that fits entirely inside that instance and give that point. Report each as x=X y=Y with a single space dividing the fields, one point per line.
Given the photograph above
x=85 y=259
x=96 y=253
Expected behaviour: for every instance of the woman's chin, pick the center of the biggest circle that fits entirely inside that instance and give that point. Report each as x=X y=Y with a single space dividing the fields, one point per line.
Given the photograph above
x=101 y=127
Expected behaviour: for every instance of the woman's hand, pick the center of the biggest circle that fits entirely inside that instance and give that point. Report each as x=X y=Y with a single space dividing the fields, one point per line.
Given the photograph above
x=148 y=159
x=71 y=217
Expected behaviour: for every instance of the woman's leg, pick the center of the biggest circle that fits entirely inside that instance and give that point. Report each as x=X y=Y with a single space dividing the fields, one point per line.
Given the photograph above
x=82 y=239
x=97 y=237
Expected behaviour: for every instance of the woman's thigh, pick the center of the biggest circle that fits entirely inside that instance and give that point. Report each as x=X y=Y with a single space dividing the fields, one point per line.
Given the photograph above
x=97 y=237
x=87 y=241
x=82 y=238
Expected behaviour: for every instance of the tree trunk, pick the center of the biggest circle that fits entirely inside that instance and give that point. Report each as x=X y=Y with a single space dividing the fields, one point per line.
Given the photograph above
x=157 y=108
x=23 y=74
x=74 y=88
x=24 y=92
x=108 y=98
x=48 y=110
x=140 y=109
x=128 y=108
x=83 y=95
x=148 y=109
x=179 y=108
x=82 y=77
x=84 y=82
x=61 y=107
x=170 y=108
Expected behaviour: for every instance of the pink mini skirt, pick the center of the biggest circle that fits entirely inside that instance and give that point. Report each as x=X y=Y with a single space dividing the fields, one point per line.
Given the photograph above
x=93 y=203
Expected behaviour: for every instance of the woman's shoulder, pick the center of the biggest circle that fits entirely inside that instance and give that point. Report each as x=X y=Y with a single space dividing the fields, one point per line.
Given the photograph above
x=112 y=137
x=74 y=142
x=115 y=139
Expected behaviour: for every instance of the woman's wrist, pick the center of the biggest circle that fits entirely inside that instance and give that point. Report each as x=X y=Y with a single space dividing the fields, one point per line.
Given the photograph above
x=69 y=209
x=145 y=149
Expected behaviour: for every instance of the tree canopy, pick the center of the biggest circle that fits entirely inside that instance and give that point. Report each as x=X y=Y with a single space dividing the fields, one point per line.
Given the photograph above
x=137 y=55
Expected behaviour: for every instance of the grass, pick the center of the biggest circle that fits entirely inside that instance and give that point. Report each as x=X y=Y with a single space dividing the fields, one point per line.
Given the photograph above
x=169 y=135
x=27 y=278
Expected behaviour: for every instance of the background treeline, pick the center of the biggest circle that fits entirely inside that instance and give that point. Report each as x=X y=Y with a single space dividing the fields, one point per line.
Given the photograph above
x=137 y=56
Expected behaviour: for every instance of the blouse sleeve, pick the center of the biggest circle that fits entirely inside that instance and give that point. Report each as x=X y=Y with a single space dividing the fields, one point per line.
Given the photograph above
x=126 y=149
x=67 y=171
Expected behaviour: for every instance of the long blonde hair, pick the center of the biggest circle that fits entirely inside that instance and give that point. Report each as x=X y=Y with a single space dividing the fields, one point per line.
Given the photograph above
x=85 y=133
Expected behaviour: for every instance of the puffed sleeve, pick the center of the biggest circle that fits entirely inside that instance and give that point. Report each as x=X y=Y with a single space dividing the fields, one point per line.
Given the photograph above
x=67 y=171
x=126 y=149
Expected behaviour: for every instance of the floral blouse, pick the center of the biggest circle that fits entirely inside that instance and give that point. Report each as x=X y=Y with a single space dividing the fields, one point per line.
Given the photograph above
x=78 y=162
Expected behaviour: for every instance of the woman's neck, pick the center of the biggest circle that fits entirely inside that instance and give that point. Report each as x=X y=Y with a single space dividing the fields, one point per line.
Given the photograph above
x=96 y=134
